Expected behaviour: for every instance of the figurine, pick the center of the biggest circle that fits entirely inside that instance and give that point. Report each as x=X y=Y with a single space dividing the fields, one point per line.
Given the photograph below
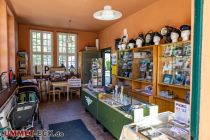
x=157 y=37
x=185 y=32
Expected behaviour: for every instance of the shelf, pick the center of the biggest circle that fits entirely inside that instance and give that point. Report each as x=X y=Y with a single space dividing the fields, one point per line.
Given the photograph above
x=125 y=50
x=126 y=78
x=143 y=81
x=178 y=56
x=144 y=47
x=171 y=100
x=141 y=93
x=179 y=42
x=174 y=86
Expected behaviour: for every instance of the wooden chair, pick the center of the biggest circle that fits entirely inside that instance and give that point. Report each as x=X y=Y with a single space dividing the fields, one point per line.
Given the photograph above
x=74 y=85
x=50 y=91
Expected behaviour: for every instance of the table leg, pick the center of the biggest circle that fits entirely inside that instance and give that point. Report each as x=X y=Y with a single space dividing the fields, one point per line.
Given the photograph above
x=67 y=93
x=53 y=93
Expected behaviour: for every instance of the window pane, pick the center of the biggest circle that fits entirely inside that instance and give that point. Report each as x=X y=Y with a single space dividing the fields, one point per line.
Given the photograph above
x=45 y=42
x=62 y=60
x=47 y=60
x=38 y=35
x=36 y=59
x=41 y=42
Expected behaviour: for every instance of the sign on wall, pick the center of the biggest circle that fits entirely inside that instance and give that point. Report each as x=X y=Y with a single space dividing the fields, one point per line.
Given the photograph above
x=41 y=70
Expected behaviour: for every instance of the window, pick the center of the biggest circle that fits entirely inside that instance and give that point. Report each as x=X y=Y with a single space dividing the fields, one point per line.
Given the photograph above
x=67 y=49
x=41 y=48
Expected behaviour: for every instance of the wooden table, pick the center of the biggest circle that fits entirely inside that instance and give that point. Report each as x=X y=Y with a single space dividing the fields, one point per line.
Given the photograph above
x=60 y=84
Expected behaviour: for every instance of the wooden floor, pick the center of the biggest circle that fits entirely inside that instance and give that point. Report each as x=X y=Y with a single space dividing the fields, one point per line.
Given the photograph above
x=62 y=111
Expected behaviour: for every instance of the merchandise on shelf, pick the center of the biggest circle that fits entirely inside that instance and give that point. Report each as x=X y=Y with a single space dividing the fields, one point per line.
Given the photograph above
x=176 y=62
x=125 y=64
x=96 y=72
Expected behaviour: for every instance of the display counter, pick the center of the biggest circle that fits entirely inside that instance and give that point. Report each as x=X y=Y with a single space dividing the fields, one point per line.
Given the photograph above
x=114 y=112
x=162 y=127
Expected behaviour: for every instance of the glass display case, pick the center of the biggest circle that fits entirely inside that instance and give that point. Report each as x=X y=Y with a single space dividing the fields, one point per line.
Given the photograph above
x=161 y=127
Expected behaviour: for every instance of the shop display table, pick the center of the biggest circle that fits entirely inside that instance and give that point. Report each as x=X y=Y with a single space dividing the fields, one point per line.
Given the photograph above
x=60 y=84
x=112 y=112
x=162 y=127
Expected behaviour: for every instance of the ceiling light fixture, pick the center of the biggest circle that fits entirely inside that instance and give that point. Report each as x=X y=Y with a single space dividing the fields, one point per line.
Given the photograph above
x=69 y=39
x=107 y=14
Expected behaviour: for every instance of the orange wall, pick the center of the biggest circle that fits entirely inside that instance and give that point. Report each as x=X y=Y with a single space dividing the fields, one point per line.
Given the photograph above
x=83 y=38
x=153 y=17
x=8 y=41
x=3 y=37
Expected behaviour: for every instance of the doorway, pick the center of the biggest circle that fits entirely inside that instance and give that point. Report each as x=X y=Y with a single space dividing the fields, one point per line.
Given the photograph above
x=106 y=56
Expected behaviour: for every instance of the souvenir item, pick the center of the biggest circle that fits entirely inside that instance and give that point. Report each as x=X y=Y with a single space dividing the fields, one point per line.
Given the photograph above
x=149 y=38
x=178 y=51
x=169 y=50
x=167 y=94
x=187 y=50
x=185 y=32
x=140 y=40
x=143 y=65
x=167 y=79
x=167 y=67
x=179 y=63
x=187 y=98
x=149 y=71
x=148 y=89
x=175 y=34
x=179 y=78
x=187 y=79
x=187 y=64
x=157 y=37
x=142 y=75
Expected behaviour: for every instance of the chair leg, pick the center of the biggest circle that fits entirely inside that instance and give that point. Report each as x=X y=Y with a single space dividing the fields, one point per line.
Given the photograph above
x=59 y=96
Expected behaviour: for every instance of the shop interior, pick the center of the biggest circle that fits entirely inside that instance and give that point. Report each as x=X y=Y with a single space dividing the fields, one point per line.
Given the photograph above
x=96 y=70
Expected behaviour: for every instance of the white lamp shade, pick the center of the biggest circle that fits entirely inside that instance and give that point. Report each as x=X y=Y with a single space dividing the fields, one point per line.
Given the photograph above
x=107 y=14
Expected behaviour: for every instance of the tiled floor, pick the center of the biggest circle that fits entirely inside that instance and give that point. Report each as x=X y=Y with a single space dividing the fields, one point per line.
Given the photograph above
x=62 y=111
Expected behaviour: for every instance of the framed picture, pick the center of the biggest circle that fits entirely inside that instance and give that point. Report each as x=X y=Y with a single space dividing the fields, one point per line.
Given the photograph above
x=187 y=79
x=179 y=78
x=167 y=79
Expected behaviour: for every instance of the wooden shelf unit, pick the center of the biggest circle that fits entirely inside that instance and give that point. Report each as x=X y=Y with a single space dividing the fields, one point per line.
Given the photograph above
x=134 y=82
x=179 y=91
